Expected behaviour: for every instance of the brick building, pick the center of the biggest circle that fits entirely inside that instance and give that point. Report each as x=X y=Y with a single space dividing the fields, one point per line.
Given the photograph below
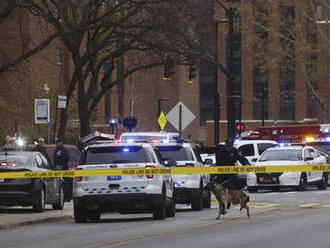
x=286 y=94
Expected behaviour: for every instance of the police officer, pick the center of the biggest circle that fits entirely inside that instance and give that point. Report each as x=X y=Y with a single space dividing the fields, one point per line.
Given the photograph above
x=228 y=155
x=61 y=159
x=40 y=147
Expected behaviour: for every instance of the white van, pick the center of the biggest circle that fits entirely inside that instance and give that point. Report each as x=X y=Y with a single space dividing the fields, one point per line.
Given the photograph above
x=251 y=149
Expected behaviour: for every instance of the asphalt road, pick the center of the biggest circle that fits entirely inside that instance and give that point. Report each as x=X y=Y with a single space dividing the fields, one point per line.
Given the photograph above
x=286 y=219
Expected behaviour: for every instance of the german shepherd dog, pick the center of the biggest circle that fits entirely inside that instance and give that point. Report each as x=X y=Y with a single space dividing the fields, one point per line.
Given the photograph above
x=226 y=197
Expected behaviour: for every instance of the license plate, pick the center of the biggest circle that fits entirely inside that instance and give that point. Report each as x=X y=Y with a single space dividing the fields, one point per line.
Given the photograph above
x=113 y=178
x=268 y=180
x=2 y=180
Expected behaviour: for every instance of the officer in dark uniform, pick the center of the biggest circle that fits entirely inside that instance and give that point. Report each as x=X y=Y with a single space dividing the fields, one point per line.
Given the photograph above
x=61 y=156
x=61 y=160
x=228 y=155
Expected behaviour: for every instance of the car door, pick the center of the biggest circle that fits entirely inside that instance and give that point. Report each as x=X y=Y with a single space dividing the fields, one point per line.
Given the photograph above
x=205 y=177
x=307 y=154
x=167 y=178
x=52 y=183
x=248 y=151
x=316 y=175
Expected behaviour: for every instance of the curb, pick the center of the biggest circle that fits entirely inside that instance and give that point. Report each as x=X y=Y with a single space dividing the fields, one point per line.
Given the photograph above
x=34 y=222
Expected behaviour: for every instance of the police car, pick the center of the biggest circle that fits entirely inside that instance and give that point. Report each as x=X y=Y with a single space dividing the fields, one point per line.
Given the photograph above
x=288 y=155
x=124 y=194
x=189 y=189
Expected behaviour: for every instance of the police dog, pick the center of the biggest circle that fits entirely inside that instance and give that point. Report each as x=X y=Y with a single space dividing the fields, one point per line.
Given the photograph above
x=226 y=197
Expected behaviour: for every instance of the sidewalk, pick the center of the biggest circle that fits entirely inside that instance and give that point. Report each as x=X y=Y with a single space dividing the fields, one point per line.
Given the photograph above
x=18 y=216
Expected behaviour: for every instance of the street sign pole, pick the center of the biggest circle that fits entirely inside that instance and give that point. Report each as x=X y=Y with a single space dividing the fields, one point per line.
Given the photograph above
x=42 y=113
x=55 y=121
x=61 y=102
x=180 y=121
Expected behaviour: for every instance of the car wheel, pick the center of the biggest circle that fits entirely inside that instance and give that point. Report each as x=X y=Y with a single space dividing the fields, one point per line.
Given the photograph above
x=252 y=189
x=40 y=204
x=207 y=200
x=170 y=210
x=303 y=182
x=80 y=214
x=324 y=182
x=60 y=202
x=159 y=211
x=94 y=217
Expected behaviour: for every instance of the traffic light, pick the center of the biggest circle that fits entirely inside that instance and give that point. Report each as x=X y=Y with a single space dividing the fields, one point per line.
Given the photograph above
x=191 y=73
x=240 y=127
x=168 y=67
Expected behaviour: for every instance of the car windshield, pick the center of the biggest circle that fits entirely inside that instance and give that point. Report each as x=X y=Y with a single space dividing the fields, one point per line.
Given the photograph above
x=175 y=153
x=276 y=155
x=14 y=160
x=322 y=147
x=116 y=155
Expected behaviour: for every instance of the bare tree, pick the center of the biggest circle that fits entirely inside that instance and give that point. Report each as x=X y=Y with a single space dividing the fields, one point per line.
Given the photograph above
x=100 y=34
x=11 y=11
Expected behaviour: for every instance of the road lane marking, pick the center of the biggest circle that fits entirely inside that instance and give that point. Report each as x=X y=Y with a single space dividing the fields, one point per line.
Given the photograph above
x=166 y=233
x=289 y=204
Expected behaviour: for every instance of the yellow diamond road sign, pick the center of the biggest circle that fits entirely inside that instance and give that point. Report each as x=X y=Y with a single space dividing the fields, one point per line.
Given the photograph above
x=162 y=120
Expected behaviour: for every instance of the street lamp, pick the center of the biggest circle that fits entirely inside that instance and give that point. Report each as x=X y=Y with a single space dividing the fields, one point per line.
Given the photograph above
x=229 y=73
x=47 y=89
x=216 y=93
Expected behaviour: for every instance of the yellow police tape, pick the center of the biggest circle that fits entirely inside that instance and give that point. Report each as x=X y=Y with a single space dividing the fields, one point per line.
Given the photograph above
x=167 y=171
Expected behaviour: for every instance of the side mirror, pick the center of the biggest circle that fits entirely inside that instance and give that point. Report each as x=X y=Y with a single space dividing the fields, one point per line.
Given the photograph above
x=208 y=161
x=170 y=163
x=309 y=158
x=254 y=160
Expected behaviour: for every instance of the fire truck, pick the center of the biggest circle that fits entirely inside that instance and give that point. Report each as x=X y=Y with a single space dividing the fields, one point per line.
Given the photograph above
x=294 y=133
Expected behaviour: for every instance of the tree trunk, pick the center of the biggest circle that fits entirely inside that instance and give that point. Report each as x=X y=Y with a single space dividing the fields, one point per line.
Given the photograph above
x=85 y=128
x=63 y=122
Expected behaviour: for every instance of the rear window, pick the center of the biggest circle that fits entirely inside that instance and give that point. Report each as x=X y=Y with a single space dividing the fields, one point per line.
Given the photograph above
x=117 y=155
x=74 y=155
x=264 y=146
x=176 y=153
x=277 y=155
x=14 y=160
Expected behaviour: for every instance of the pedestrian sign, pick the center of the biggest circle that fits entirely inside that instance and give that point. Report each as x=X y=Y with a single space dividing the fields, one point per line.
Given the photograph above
x=162 y=120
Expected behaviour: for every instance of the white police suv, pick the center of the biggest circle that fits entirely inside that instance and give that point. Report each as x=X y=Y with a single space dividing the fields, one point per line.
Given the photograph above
x=124 y=194
x=189 y=189
x=288 y=155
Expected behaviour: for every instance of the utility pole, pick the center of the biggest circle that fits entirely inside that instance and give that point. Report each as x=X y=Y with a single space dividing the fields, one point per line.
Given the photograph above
x=216 y=93
x=229 y=73
x=230 y=68
x=263 y=106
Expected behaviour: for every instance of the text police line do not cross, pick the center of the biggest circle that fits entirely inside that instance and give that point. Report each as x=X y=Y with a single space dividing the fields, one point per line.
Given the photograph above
x=168 y=171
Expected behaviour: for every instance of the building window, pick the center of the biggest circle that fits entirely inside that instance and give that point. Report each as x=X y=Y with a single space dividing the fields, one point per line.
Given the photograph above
x=287 y=62
x=260 y=52
x=319 y=11
x=237 y=66
x=207 y=69
x=58 y=56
